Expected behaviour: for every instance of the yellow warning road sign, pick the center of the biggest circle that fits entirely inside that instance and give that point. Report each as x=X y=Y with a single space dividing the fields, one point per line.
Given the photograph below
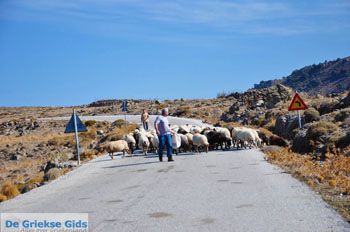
x=297 y=103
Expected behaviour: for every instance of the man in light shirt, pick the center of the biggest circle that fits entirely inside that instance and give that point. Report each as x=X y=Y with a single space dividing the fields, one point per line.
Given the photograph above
x=144 y=119
x=164 y=135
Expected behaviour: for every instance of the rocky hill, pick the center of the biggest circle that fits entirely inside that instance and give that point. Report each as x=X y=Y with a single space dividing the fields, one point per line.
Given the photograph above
x=323 y=78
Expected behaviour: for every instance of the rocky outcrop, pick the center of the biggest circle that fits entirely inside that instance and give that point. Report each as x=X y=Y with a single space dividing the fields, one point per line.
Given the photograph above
x=255 y=102
x=286 y=124
x=300 y=143
x=16 y=127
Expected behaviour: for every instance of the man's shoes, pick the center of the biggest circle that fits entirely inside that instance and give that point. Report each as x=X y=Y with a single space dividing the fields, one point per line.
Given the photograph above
x=170 y=159
x=160 y=159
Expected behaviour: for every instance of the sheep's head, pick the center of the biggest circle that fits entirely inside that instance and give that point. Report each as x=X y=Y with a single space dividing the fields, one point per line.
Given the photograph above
x=128 y=150
x=101 y=147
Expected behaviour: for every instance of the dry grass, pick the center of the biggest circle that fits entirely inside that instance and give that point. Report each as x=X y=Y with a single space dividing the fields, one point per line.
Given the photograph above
x=331 y=179
x=266 y=132
x=32 y=139
x=37 y=179
x=270 y=124
x=3 y=198
x=53 y=174
x=9 y=190
x=88 y=155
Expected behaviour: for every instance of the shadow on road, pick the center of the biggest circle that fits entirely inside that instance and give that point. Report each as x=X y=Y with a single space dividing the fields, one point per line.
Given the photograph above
x=174 y=155
x=130 y=165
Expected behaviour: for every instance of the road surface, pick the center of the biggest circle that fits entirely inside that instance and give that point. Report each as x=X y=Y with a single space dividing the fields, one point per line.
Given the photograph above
x=218 y=191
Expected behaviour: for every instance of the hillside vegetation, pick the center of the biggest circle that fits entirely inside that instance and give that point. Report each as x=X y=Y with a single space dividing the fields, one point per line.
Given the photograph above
x=324 y=78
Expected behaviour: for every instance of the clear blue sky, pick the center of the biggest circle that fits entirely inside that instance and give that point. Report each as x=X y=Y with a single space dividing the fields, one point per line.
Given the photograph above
x=74 y=52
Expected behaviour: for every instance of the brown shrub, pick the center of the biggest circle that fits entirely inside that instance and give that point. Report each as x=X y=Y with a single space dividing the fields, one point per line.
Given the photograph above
x=90 y=134
x=342 y=115
x=327 y=106
x=2 y=198
x=37 y=179
x=183 y=111
x=28 y=187
x=61 y=140
x=52 y=174
x=343 y=141
x=87 y=155
x=311 y=115
x=320 y=129
x=270 y=124
x=119 y=123
x=9 y=190
x=90 y=123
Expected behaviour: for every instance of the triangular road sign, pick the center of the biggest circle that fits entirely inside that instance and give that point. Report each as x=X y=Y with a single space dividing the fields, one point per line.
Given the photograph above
x=70 y=126
x=297 y=103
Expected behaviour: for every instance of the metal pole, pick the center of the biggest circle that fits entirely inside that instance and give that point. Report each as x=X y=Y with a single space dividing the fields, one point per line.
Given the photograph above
x=126 y=127
x=299 y=118
x=76 y=135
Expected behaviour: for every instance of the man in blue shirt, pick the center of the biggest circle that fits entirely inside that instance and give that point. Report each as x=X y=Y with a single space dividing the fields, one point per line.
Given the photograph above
x=164 y=135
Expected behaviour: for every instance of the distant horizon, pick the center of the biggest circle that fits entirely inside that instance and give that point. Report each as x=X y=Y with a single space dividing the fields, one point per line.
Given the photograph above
x=68 y=53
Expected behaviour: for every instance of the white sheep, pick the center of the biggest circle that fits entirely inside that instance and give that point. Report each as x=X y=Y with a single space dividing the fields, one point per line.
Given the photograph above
x=143 y=142
x=129 y=138
x=185 y=145
x=174 y=128
x=115 y=146
x=176 y=141
x=155 y=143
x=190 y=139
x=186 y=128
x=245 y=136
x=196 y=129
x=200 y=141
x=226 y=134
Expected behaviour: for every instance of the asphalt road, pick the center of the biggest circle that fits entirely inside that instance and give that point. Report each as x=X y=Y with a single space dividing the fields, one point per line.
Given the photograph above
x=218 y=191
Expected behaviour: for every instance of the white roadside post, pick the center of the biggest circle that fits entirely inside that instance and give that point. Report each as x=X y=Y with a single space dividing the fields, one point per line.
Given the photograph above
x=299 y=118
x=76 y=136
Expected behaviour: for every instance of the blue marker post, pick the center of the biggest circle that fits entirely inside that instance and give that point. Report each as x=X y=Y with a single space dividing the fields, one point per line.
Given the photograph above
x=125 y=109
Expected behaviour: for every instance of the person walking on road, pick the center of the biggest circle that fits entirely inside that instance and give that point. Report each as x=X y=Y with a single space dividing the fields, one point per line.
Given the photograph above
x=145 y=119
x=163 y=131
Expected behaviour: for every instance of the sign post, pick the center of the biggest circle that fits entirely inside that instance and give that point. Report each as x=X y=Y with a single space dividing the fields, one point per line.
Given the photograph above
x=75 y=125
x=297 y=104
x=76 y=136
x=124 y=108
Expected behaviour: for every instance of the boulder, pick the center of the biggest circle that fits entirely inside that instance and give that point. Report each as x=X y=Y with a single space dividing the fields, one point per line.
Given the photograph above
x=69 y=164
x=15 y=157
x=300 y=142
x=345 y=102
x=285 y=126
x=50 y=165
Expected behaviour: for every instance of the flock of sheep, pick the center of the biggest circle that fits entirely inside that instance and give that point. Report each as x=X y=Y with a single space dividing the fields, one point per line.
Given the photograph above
x=185 y=138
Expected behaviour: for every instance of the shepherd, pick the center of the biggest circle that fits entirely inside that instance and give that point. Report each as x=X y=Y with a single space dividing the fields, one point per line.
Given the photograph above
x=145 y=119
x=164 y=135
